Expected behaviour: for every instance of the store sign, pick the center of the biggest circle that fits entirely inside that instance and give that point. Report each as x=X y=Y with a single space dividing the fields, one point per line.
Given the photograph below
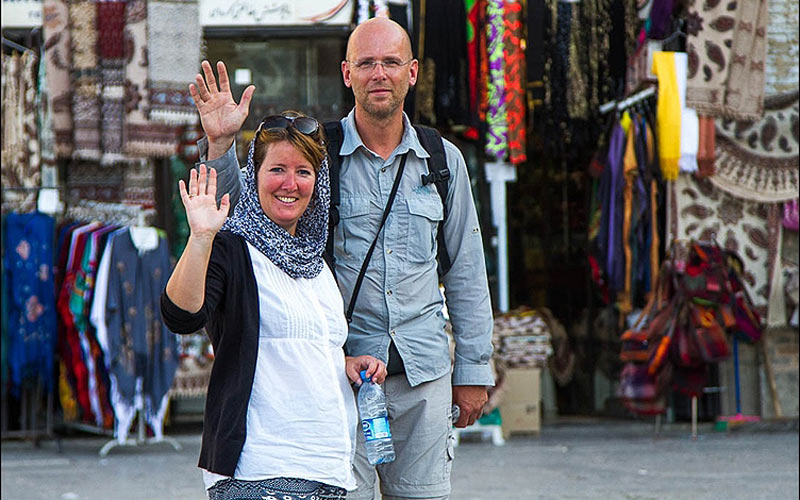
x=21 y=13
x=274 y=12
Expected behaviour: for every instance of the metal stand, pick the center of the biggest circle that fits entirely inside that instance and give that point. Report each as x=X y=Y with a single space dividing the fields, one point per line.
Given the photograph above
x=30 y=425
x=140 y=439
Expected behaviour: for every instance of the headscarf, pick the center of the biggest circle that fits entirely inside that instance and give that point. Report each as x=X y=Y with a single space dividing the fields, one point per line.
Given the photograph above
x=299 y=256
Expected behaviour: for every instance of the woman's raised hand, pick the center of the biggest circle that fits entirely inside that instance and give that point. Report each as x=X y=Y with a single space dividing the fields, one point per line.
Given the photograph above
x=204 y=217
x=220 y=116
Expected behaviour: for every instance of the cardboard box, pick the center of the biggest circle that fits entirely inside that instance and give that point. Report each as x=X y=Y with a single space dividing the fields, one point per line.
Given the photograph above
x=521 y=406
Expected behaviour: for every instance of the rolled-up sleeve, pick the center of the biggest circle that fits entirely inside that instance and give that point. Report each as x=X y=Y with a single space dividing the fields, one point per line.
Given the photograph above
x=466 y=285
x=229 y=177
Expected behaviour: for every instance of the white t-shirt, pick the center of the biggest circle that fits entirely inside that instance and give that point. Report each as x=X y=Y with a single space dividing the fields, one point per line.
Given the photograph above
x=301 y=418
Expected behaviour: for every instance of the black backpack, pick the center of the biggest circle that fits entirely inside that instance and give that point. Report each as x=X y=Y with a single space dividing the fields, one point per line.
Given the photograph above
x=438 y=174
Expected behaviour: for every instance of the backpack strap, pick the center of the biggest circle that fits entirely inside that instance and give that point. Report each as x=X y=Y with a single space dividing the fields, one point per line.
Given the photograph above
x=439 y=175
x=334 y=135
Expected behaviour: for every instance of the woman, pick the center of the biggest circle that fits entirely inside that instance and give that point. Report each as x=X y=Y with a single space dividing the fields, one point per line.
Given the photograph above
x=280 y=416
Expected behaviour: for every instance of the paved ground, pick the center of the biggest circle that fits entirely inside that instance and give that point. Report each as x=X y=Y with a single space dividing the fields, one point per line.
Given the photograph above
x=575 y=460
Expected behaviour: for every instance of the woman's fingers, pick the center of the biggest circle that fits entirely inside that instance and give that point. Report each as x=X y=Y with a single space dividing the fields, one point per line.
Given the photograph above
x=202 y=179
x=192 y=182
x=211 y=188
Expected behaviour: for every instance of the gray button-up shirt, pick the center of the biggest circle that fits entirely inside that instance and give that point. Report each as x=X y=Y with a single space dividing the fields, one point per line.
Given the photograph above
x=399 y=298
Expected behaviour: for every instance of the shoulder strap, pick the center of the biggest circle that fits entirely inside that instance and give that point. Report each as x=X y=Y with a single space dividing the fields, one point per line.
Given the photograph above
x=439 y=174
x=334 y=135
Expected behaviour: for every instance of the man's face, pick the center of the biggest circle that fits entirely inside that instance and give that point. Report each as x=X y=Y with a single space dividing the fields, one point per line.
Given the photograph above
x=379 y=69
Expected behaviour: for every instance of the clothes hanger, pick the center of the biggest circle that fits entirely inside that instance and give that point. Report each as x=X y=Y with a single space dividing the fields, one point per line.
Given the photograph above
x=14 y=45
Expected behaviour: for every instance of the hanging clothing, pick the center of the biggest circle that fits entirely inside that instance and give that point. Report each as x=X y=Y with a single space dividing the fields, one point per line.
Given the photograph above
x=496 y=138
x=139 y=343
x=31 y=308
x=668 y=114
x=514 y=81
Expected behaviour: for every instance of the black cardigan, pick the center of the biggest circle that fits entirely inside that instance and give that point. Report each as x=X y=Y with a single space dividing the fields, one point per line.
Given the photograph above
x=231 y=317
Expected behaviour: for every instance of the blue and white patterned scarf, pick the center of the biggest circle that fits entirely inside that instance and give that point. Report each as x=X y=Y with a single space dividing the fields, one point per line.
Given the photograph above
x=299 y=256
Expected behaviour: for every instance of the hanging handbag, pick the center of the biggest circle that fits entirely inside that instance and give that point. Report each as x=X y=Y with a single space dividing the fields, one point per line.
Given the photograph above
x=709 y=335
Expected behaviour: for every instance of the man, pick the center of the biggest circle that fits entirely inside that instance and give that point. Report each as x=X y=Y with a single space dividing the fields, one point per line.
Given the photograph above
x=398 y=317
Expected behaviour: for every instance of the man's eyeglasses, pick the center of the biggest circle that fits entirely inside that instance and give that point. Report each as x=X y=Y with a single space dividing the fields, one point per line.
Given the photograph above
x=389 y=65
x=303 y=124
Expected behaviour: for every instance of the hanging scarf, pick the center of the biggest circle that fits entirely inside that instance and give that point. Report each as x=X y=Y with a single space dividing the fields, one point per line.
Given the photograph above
x=668 y=114
x=299 y=256
x=496 y=140
x=514 y=81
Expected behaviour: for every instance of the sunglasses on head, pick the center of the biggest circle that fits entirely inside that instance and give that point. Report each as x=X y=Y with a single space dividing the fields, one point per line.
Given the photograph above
x=303 y=124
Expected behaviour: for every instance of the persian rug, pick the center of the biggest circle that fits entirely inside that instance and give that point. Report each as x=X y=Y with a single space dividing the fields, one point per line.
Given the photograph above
x=57 y=54
x=169 y=76
x=86 y=80
x=758 y=161
x=142 y=136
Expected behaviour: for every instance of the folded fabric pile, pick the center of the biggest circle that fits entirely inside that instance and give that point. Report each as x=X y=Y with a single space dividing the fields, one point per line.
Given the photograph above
x=521 y=339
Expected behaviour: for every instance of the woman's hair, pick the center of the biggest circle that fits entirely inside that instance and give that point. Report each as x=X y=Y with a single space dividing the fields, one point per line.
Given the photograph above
x=312 y=147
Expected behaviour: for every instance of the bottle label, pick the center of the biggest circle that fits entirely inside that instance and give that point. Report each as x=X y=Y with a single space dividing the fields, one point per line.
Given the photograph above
x=376 y=428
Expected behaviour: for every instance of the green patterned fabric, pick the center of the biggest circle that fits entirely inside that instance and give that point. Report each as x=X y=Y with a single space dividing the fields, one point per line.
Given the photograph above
x=496 y=140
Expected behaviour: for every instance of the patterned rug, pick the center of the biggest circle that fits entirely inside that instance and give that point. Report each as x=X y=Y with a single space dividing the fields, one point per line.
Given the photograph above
x=705 y=212
x=86 y=80
x=170 y=76
x=726 y=45
x=57 y=48
x=759 y=160
x=142 y=136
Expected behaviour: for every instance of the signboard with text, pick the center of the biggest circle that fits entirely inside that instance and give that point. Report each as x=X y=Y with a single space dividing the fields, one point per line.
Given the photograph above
x=21 y=13
x=275 y=12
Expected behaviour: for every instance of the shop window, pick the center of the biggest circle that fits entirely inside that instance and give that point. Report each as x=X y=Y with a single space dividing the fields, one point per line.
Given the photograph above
x=302 y=74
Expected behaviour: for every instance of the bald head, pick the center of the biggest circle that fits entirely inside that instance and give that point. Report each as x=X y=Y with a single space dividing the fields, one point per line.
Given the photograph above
x=378 y=29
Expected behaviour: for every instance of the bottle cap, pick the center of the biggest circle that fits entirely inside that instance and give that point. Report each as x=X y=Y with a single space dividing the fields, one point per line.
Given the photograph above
x=364 y=377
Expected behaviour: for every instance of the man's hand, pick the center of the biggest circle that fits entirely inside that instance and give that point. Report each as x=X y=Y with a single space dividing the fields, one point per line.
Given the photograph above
x=471 y=400
x=220 y=116
x=376 y=369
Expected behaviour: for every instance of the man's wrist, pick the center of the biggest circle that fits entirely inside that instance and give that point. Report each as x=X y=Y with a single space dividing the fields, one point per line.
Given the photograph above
x=218 y=146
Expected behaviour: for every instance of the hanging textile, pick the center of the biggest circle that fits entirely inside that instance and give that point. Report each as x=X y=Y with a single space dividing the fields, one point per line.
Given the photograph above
x=140 y=345
x=143 y=137
x=704 y=212
x=111 y=52
x=483 y=62
x=706 y=146
x=668 y=114
x=85 y=79
x=57 y=54
x=170 y=101
x=514 y=81
x=31 y=308
x=446 y=48
x=534 y=55
x=496 y=140
x=759 y=160
x=690 y=128
x=726 y=44
x=21 y=166
x=471 y=7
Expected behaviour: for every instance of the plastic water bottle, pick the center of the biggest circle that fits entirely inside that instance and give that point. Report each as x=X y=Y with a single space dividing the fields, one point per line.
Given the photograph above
x=375 y=422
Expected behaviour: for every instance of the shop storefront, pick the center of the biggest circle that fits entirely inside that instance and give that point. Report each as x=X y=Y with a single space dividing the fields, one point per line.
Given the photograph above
x=590 y=169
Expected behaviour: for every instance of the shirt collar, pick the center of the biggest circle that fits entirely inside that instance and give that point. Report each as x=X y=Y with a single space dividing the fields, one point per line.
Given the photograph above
x=352 y=140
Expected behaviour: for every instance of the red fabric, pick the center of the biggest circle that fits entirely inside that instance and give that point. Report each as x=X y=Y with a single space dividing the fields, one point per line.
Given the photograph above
x=111 y=29
x=514 y=78
x=483 y=64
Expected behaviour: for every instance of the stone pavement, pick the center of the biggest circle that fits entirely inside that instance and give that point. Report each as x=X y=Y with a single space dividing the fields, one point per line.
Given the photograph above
x=585 y=459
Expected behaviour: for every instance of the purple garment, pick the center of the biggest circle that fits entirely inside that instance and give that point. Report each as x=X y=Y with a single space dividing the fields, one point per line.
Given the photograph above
x=615 y=262
x=660 y=19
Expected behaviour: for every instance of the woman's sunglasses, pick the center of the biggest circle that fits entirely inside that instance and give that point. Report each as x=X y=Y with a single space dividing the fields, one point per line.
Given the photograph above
x=303 y=124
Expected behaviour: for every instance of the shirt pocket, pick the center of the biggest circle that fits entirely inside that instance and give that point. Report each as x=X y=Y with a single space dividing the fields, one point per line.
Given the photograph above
x=424 y=216
x=355 y=229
